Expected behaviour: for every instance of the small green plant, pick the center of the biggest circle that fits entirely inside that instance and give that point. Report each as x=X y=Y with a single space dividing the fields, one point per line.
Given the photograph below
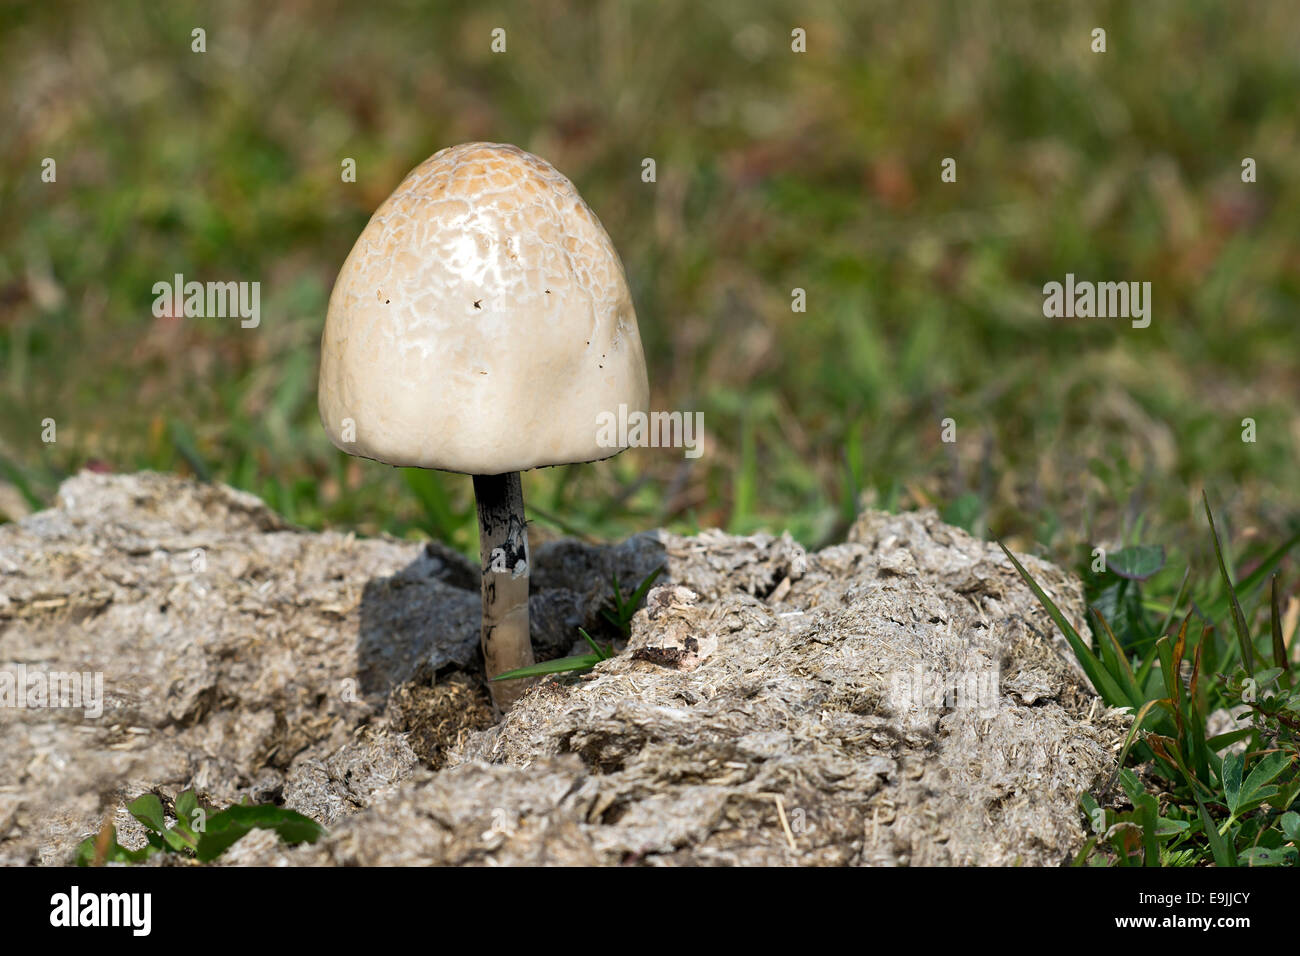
x=198 y=832
x=1225 y=799
x=619 y=613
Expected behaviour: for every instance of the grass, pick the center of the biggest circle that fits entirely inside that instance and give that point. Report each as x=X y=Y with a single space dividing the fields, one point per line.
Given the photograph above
x=1189 y=795
x=776 y=171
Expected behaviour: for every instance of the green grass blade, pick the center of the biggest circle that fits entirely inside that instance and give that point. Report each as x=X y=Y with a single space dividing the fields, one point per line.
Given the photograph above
x=183 y=441
x=1117 y=661
x=600 y=651
x=1148 y=810
x=1280 y=657
x=1102 y=681
x=1194 y=729
x=1177 y=602
x=1082 y=856
x=644 y=587
x=19 y=481
x=1129 y=739
x=1220 y=741
x=1223 y=854
x=618 y=594
x=579 y=662
x=1172 y=686
x=1144 y=670
x=1238 y=618
x=1220 y=607
x=1133 y=731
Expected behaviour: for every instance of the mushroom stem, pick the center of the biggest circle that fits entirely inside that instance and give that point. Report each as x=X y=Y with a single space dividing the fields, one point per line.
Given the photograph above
x=503 y=553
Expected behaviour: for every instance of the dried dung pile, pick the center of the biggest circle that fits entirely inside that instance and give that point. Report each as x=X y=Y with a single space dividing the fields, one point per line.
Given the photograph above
x=896 y=699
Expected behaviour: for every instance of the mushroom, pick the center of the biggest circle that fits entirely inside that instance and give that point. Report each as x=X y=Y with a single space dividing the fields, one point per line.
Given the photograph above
x=482 y=324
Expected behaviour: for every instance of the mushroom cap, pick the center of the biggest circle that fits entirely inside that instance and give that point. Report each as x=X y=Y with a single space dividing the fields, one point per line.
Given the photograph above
x=482 y=322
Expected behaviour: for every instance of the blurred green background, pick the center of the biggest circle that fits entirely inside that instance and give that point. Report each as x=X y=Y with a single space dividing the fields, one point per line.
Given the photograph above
x=776 y=171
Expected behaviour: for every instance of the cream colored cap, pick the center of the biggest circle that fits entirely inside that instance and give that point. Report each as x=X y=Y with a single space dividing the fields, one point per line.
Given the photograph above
x=482 y=322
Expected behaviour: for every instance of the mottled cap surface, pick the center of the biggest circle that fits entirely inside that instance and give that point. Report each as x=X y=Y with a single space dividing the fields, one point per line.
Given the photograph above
x=482 y=322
